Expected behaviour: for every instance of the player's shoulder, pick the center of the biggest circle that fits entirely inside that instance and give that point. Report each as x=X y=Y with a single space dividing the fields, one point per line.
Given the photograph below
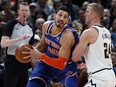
x=47 y=23
x=88 y=34
x=45 y=26
x=68 y=33
x=89 y=31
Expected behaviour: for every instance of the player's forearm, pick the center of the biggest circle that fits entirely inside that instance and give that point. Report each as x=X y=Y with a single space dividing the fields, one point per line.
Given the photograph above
x=59 y=63
x=41 y=48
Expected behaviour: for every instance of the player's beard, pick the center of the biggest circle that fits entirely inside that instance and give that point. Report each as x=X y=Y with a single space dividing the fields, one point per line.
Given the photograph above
x=59 y=25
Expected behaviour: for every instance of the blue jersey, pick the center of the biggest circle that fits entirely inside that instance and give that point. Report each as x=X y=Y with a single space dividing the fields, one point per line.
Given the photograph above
x=53 y=42
x=45 y=72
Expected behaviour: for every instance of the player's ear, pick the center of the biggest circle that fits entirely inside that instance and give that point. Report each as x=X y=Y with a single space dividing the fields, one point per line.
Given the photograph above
x=68 y=20
x=54 y=15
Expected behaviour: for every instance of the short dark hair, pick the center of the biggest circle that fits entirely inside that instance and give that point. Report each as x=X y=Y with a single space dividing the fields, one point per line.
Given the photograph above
x=22 y=3
x=64 y=8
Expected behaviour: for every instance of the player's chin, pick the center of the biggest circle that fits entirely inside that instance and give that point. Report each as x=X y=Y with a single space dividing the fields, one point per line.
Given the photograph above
x=60 y=25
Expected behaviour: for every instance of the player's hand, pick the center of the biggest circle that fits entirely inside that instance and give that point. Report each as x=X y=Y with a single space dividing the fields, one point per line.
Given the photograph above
x=33 y=53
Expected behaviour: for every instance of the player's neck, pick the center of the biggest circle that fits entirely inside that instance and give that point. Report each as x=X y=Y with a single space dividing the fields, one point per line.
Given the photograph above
x=94 y=23
x=55 y=30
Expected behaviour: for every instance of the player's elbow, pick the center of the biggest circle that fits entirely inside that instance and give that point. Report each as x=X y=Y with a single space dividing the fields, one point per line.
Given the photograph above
x=74 y=57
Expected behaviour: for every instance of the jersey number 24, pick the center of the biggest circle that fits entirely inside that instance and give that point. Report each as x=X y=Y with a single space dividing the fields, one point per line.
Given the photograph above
x=107 y=50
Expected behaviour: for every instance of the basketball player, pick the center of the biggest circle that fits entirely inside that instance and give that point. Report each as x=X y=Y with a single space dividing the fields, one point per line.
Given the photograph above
x=95 y=43
x=55 y=50
x=17 y=32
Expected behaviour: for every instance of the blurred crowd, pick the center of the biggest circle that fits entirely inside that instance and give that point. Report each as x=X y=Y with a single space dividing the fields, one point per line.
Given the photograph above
x=44 y=10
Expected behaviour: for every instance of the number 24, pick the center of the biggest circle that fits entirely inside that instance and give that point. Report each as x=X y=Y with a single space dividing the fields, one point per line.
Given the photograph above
x=107 y=50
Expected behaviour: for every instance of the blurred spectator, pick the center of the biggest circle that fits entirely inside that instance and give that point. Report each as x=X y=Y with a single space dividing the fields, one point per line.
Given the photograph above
x=113 y=28
x=106 y=18
x=81 y=18
x=50 y=17
x=106 y=14
x=113 y=32
x=5 y=15
x=56 y=4
x=32 y=7
x=78 y=2
x=113 y=16
x=38 y=24
x=84 y=5
x=112 y=4
x=40 y=14
x=77 y=26
x=42 y=4
x=104 y=22
x=72 y=8
x=114 y=58
x=105 y=3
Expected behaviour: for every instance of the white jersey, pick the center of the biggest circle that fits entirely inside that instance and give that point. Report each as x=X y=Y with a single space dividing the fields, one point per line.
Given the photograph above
x=98 y=54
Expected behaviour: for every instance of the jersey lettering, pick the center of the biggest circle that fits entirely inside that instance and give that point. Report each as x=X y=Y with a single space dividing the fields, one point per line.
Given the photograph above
x=107 y=50
x=52 y=43
x=53 y=51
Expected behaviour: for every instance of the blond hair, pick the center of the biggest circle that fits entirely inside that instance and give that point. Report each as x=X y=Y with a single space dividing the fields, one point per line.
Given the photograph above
x=98 y=8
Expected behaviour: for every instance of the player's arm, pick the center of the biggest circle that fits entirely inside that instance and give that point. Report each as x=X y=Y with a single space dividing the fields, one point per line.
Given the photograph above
x=81 y=47
x=66 y=41
x=87 y=38
x=41 y=45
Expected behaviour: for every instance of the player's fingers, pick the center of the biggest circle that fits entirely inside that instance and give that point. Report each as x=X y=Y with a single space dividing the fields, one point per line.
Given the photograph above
x=25 y=52
x=28 y=48
x=26 y=57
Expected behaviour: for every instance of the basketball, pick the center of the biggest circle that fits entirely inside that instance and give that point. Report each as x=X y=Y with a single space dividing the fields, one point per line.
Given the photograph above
x=19 y=55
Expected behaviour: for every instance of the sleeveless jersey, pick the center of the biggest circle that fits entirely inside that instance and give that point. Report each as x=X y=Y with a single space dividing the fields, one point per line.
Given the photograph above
x=53 y=42
x=98 y=54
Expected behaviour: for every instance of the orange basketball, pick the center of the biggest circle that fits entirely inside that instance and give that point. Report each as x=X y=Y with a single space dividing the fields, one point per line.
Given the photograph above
x=19 y=55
